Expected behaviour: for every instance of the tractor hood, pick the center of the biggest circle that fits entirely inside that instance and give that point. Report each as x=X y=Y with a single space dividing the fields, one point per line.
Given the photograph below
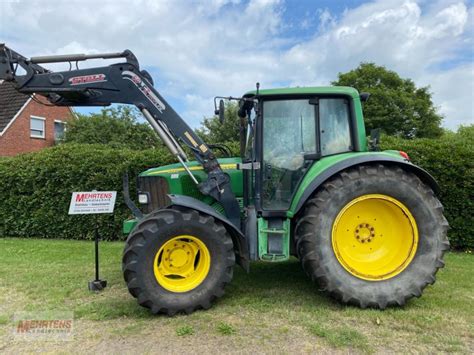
x=180 y=182
x=226 y=164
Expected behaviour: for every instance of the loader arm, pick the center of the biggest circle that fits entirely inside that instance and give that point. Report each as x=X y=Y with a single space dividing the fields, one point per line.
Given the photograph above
x=121 y=83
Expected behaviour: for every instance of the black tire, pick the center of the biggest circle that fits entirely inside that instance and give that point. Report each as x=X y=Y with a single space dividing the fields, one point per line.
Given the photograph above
x=153 y=232
x=314 y=236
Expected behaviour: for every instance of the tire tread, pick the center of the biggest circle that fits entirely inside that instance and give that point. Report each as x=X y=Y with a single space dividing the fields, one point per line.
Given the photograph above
x=313 y=264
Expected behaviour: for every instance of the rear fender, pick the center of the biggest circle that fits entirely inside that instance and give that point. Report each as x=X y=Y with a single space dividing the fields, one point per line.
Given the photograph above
x=365 y=159
x=240 y=243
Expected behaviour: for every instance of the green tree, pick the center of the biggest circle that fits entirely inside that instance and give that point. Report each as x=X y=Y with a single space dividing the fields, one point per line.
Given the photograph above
x=213 y=131
x=395 y=105
x=467 y=132
x=116 y=126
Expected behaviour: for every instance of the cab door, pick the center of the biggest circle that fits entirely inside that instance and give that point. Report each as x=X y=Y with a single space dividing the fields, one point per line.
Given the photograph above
x=295 y=133
x=289 y=134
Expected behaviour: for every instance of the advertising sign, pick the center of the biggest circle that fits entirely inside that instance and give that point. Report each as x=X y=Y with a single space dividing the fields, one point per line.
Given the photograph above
x=92 y=202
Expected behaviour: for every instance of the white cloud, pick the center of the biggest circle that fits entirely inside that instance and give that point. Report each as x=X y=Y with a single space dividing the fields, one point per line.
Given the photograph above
x=453 y=93
x=222 y=47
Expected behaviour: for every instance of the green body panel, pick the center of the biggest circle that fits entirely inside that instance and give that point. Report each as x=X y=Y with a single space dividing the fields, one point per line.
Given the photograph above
x=181 y=184
x=128 y=225
x=325 y=163
x=360 y=133
x=316 y=90
x=263 y=232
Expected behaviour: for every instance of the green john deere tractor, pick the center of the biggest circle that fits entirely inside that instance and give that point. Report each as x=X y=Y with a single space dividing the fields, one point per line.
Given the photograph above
x=366 y=225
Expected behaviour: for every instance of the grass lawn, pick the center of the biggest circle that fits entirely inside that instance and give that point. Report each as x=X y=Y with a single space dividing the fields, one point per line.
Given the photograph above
x=273 y=309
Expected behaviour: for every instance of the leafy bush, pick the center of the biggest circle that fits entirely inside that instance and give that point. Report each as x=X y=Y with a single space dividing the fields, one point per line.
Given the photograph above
x=450 y=159
x=36 y=188
x=118 y=127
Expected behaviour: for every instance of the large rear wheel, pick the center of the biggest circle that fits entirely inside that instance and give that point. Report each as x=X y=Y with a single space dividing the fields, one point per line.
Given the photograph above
x=178 y=261
x=373 y=236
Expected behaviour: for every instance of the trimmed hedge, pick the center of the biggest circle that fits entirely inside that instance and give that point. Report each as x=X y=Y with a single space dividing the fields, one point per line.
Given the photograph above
x=35 y=189
x=450 y=159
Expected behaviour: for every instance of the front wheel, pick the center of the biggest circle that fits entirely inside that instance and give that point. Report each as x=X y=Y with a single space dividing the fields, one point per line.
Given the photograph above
x=178 y=261
x=372 y=236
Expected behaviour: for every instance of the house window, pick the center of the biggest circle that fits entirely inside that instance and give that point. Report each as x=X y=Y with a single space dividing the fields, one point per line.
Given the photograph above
x=59 y=129
x=37 y=129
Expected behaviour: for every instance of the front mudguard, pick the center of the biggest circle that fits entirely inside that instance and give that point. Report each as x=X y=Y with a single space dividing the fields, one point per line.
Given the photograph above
x=240 y=242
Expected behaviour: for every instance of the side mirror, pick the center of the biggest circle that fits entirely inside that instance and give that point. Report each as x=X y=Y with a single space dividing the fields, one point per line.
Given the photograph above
x=364 y=96
x=242 y=110
x=221 y=111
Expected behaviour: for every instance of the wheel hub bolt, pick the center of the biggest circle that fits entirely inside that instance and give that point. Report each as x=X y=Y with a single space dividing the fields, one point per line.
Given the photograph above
x=364 y=232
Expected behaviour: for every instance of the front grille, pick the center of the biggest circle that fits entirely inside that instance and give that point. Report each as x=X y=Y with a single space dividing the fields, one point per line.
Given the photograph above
x=158 y=188
x=189 y=188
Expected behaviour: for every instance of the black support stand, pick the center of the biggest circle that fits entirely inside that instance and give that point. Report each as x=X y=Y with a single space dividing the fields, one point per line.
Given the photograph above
x=97 y=284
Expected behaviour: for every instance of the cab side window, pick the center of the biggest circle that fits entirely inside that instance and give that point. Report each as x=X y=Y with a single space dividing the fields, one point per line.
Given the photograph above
x=334 y=126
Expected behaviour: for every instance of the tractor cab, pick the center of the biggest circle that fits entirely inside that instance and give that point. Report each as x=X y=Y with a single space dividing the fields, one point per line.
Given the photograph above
x=288 y=131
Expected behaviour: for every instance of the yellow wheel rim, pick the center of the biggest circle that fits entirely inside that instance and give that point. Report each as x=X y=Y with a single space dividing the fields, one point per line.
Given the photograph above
x=374 y=237
x=182 y=263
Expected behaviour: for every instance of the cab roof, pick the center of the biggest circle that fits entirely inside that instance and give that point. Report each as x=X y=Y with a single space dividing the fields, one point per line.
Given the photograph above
x=331 y=90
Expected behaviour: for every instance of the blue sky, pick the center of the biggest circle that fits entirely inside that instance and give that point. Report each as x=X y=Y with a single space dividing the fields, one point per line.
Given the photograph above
x=198 y=49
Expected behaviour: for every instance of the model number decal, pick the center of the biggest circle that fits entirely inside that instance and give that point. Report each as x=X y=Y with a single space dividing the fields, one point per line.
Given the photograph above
x=134 y=78
x=87 y=79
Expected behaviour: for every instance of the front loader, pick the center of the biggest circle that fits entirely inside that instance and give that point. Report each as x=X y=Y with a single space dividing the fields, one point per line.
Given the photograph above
x=366 y=225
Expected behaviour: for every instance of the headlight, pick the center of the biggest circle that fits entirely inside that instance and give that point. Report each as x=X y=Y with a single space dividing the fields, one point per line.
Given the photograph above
x=143 y=198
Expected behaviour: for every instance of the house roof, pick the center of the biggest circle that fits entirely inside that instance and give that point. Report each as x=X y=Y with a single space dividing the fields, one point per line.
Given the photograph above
x=11 y=101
